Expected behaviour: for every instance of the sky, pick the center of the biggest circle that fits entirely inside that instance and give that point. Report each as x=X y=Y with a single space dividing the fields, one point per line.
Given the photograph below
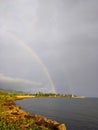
x=49 y=46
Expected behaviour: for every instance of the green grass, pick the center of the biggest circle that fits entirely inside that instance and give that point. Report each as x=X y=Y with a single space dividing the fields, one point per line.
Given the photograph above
x=6 y=124
x=13 y=122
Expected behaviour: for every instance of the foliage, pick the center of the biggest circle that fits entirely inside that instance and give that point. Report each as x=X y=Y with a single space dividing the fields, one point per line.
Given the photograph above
x=8 y=121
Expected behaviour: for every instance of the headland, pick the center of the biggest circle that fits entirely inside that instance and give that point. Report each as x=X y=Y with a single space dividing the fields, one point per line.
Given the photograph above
x=12 y=117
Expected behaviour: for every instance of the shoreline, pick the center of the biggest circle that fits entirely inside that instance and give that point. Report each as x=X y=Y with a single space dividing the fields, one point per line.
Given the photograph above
x=29 y=96
x=41 y=120
x=11 y=114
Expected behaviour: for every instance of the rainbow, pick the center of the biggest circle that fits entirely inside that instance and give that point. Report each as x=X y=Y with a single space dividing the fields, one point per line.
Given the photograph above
x=34 y=54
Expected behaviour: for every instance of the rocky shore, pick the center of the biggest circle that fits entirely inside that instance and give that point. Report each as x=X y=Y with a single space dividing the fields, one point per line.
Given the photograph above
x=25 y=120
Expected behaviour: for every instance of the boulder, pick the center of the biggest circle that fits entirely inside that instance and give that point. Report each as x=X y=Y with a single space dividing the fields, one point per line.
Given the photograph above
x=61 y=127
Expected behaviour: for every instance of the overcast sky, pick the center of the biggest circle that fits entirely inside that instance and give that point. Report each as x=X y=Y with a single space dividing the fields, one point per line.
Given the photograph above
x=62 y=33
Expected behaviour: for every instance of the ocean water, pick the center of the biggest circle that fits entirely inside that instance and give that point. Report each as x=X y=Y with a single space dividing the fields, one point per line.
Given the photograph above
x=77 y=114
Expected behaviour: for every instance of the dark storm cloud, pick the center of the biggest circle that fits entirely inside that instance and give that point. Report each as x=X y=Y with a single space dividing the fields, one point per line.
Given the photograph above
x=64 y=35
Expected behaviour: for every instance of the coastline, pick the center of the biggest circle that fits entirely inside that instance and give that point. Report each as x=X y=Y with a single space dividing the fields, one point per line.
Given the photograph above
x=31 y=122
x=41 y=120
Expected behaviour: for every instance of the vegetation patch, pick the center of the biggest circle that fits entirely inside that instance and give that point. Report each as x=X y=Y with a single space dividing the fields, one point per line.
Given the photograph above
x=13 y=117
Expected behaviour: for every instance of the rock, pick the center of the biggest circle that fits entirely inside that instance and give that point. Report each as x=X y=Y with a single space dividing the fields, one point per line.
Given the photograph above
x=15 y=113
x=61 y=127
x=53 y=125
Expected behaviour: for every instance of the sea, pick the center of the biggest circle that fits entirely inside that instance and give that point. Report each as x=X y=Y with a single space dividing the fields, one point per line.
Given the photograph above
x=76 y=113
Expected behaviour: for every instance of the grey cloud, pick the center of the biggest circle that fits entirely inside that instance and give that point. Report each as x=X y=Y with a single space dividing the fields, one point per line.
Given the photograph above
x=63 y=33
x=9 y=79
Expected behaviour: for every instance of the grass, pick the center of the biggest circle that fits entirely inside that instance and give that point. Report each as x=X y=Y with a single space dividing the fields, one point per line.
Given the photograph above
x=13 y=118
x=6 y=124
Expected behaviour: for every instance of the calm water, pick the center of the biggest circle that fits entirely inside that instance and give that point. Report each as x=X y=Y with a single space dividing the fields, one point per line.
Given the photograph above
x=77 y=114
